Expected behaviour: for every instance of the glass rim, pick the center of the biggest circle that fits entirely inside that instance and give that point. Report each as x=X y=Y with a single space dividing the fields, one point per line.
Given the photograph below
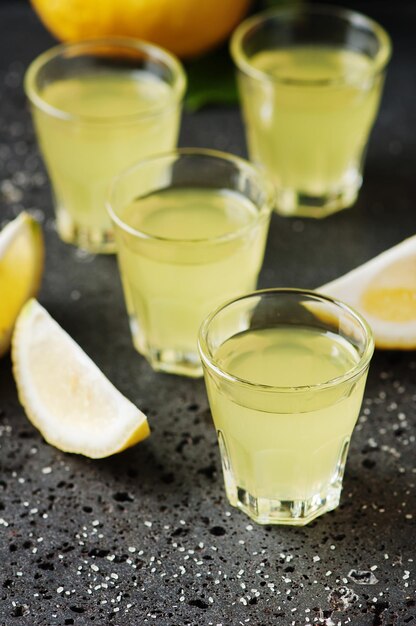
x=150 y=51
x=208 y=360
x=355 y=18
x=262 y=213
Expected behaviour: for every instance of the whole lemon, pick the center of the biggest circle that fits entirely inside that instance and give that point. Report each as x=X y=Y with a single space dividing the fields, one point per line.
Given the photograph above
x=185 y=27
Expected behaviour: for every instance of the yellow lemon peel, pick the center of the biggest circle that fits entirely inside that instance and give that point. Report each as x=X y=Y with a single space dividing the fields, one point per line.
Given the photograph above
x=21 y=267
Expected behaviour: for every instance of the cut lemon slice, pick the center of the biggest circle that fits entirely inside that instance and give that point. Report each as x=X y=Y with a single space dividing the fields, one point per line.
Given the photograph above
x=21 y=265
x=65 y=395
x=384 y=292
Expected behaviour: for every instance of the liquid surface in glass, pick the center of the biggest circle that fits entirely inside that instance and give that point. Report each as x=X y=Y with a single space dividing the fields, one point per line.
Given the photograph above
x=286 y=357
x=108 y=95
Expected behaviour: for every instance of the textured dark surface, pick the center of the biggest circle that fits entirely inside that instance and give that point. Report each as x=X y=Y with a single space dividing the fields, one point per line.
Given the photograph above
x=147 y=537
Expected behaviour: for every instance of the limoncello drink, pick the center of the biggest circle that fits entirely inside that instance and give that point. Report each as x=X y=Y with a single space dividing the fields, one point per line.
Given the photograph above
x=108 y=124
x=197 y=248
x=308 y=116
x=284 y=451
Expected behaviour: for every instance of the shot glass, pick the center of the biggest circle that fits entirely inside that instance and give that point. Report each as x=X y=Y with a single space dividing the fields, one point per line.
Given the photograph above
x=98 y=107
x=285 y=372
x=190 y=228
x=310 y=80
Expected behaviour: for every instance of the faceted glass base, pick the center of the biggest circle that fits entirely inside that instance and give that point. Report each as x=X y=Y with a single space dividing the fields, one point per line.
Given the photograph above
x=289 y=512
x=173 y=362
x=93 y=240
x=183 y=363
x=293 y=203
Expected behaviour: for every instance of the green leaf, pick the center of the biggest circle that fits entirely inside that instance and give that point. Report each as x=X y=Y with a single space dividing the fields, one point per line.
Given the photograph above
x=211 y=80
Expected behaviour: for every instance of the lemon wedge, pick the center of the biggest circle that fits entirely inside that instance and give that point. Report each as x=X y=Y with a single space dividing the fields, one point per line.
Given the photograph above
x=65 y=396
x=383 y=290
x=21 y=265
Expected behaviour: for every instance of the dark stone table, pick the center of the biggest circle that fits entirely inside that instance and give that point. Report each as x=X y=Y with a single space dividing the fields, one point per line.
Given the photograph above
x=147 y=537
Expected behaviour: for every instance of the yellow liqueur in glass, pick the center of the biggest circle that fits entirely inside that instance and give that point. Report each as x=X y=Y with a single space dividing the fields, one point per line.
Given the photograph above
x=310 y=81
x=285 y=392
x=185 y=245
x=312 y=139
x=98 y=107
x=308 y=444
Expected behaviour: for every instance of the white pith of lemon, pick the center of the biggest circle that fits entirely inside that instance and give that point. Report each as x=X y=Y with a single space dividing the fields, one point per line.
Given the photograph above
x=21 y=265
x=65 y=396
x=383 y=290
